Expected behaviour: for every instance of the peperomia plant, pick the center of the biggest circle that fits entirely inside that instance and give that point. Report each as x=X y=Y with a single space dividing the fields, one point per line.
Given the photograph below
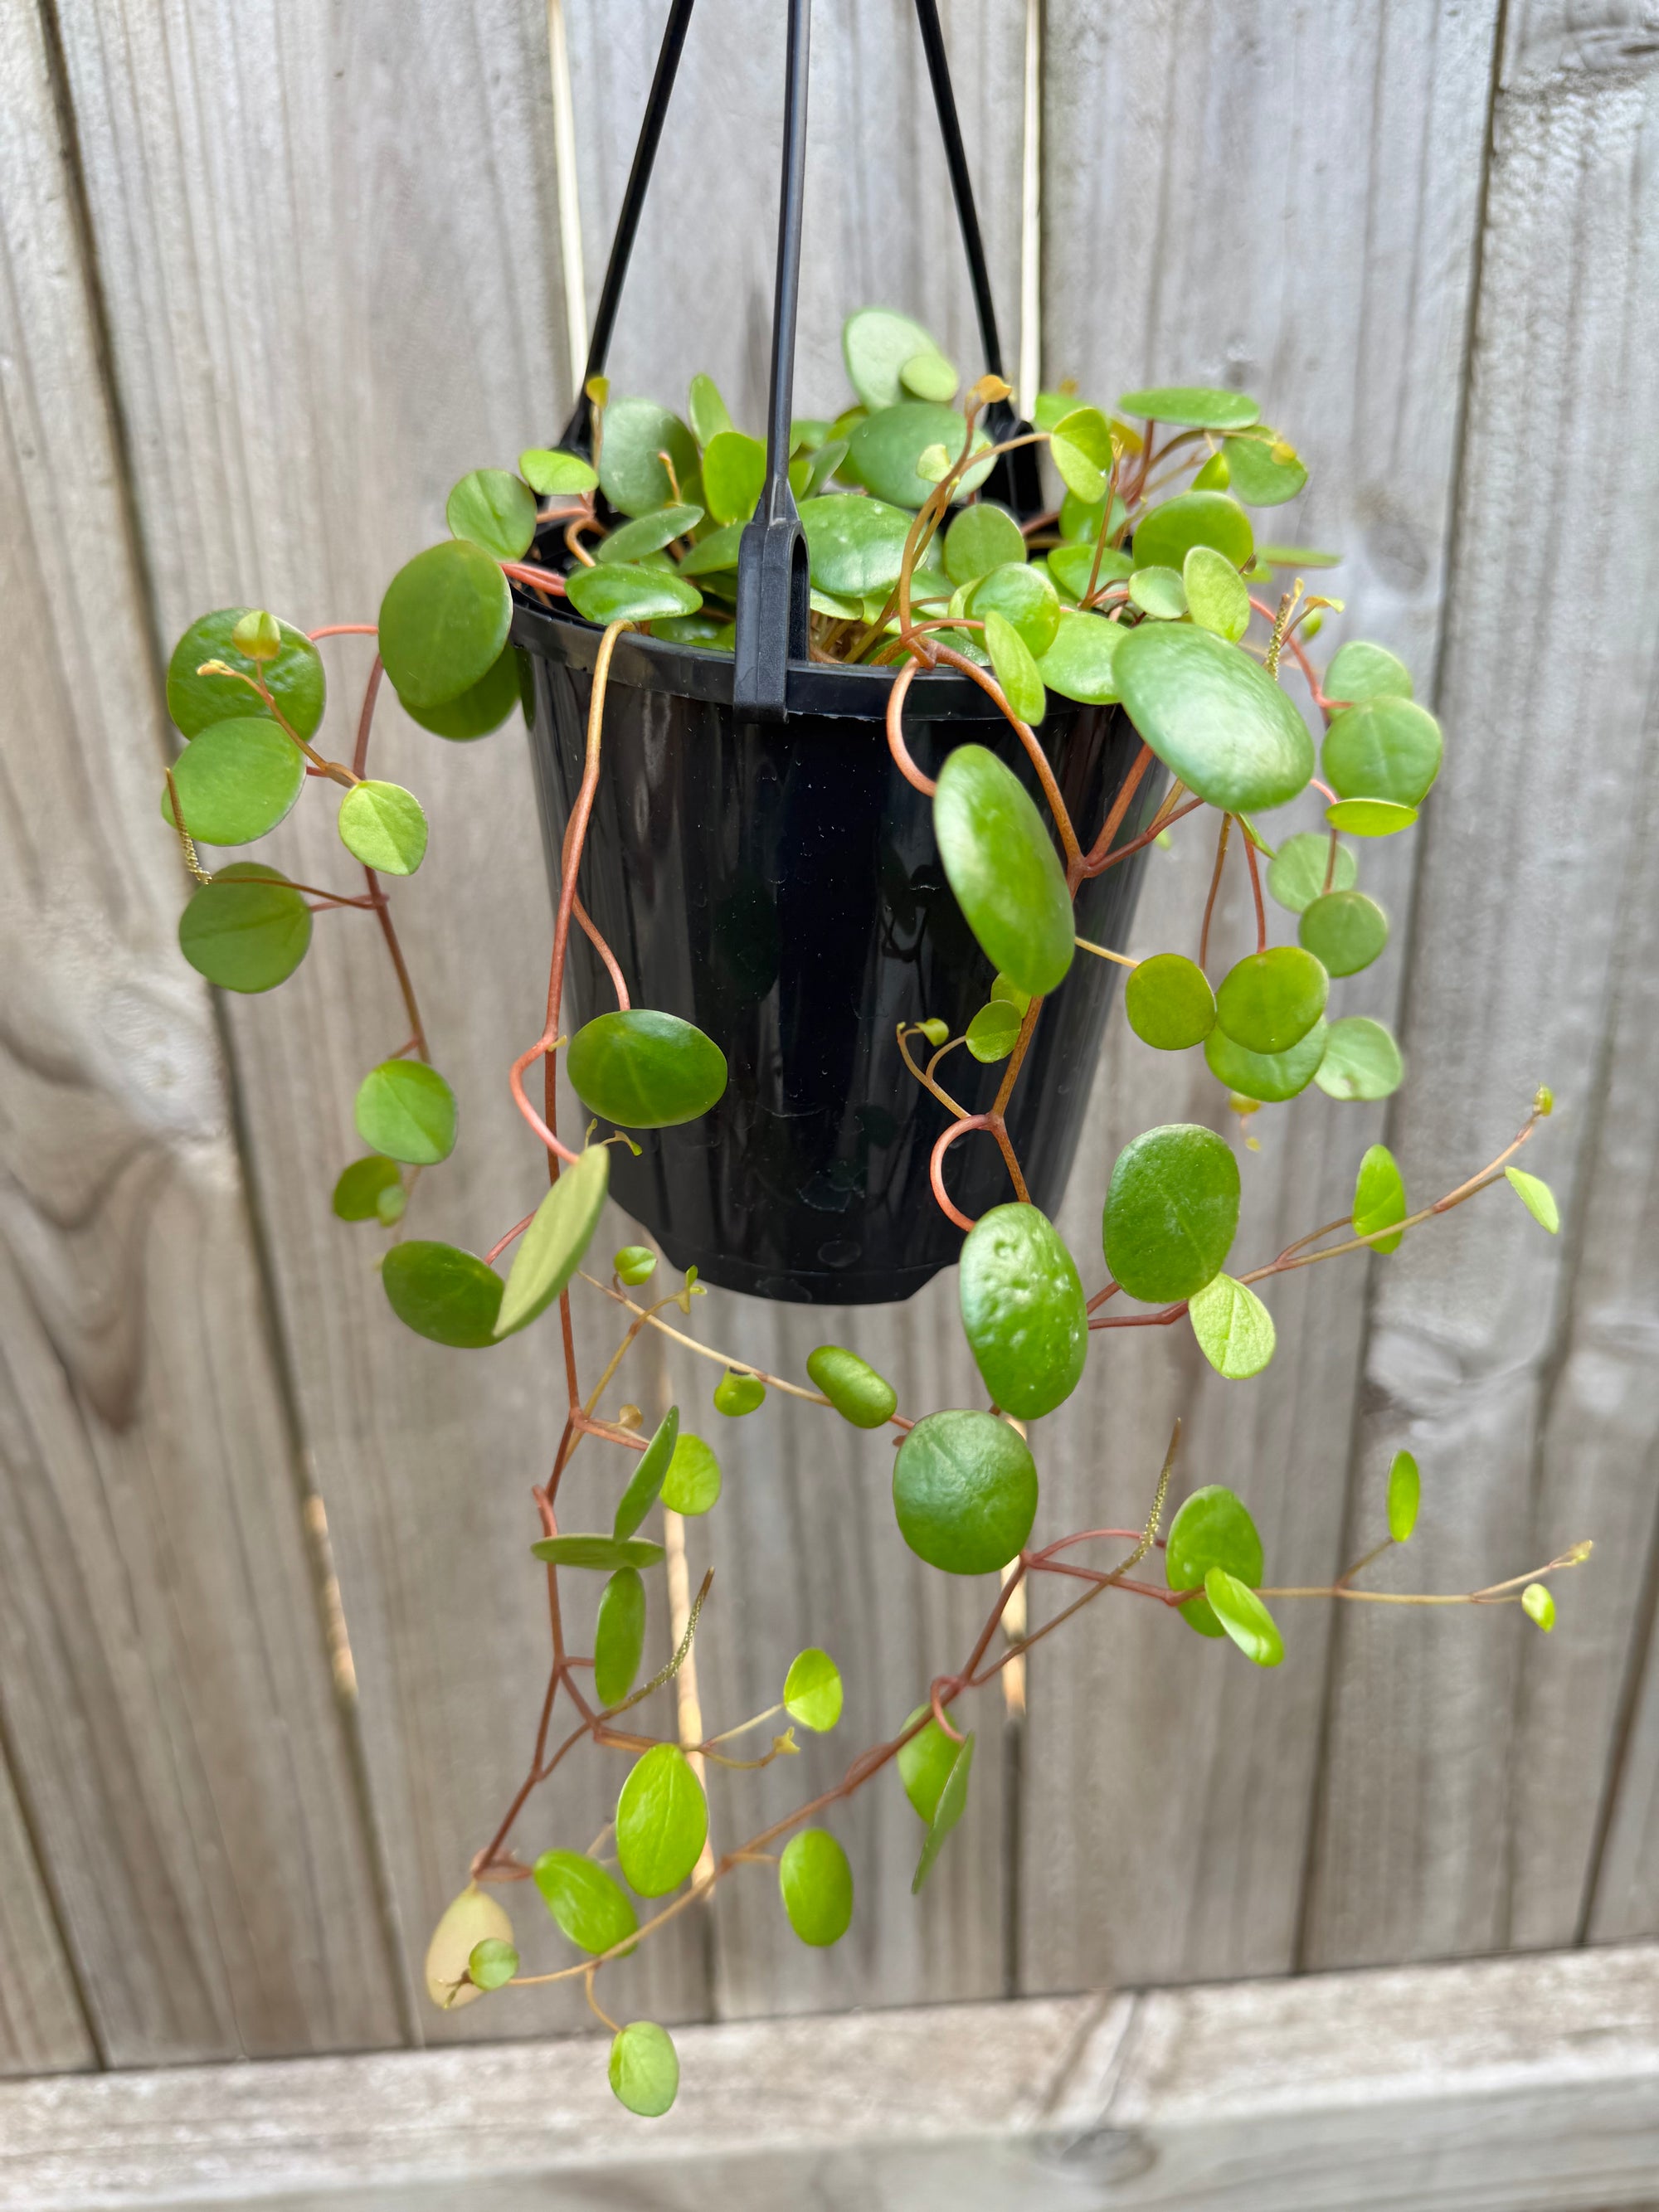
x=1136 y=589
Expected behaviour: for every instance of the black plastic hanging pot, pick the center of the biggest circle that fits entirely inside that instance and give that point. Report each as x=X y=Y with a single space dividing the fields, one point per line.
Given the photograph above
x=759 y=867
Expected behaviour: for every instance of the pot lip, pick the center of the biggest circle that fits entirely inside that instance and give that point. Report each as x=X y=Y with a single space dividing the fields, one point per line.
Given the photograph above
x=836 y=692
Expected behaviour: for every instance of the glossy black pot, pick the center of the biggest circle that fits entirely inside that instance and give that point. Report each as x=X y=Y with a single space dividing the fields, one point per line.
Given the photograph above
x=778 y=883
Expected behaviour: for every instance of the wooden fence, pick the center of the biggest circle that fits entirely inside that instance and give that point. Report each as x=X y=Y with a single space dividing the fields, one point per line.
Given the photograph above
x=273 y=275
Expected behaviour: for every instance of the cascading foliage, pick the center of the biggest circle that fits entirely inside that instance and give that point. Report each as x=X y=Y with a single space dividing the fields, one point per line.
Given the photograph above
x=1140 y=588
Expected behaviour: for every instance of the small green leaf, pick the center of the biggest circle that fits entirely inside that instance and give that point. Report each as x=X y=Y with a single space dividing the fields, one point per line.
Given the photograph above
x=390 y=1203
x=443 y=622
x=1072 y=566
x=713 y=555
x=1271 y=1077
x=1235 y=1330
x=981 y=537
x=358 y=1194
x=467 y=1921
x=929 y=375
x=555 y=474
x=482 y=707
x=925 y=1763
x=1023 y=1310
x=237 y=780
x=1264 y=471
x=551 y=1250
x=1079 y=664
x=604 y=1554
x=492 y=1963
x=704 y=631
x=406 y=1110
x=733 y=475
x=736 y=1394
x=1345 y=931
x=1383 y=748
x=1539 y=1606
x=816 y=1884
x=707 y=410
x=1244 y=1618
x=1296 y=876
x=618 y=1637
x=1361 y=1060
x=1015 y=669
x=964 y=1492
x=855 y=544
x=1269 y=1002
x=1215 y=475
x=692 y=1484
x=444 y=1294
x=1165 y=534
x=491 y=508
x=853 y=1387
x=382 y=825
x=644 y=1070
x=631 y=477
x=1379 y=1198
x=1026 y=600
x=648 y=534
x=1213 y=715
x=1370 y=818
x=1192 y=406
x=1002 y=866
x=1359 y=671
x=635 y=1264
x=1537 y=1197
x=1168 y=1003
x=1405 y=1493
x=294 y=679
x=1171 y=1212
x=994 y=1032
x=877 y=344
x=247 y=930
x=258 y=634
x=812 y=1690
x=1216 y=594
x=887 y=445
x=1159 y=592
x=662 y=1821
x=1080 y=446
x=590 y=1907
x=622 y=591
x=952 y=1804
x=647 y=1480
x=644 y=2069
x=1212 y=1530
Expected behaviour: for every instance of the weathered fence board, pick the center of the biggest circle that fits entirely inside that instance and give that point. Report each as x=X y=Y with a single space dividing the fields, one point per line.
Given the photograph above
x=1441 y=1745
x=167 y=1710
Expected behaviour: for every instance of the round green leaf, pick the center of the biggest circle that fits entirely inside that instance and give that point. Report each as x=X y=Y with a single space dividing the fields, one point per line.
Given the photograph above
x=619 y=1637
x=1244 y=1618
x=1072 y=566
x=966 y=1491
x=645 y=2071
x=812 y=1690
x=877 y=344
x=1360 y=1061
x=733 y=475
x=1080 y=445
x=648 y=534
x=236 y=781
x=1003 y=867
x=358 y=1194
x=382 y=825
x=1215 y=475
x=1171 y=1212
x=622 y=591
x=1235 y=1330
x=635 y=1264
x=1217 y=595
x=1271 y=1077
x=736 y=1394
x=1264 y=471
x=855 y=545
x=1079 y=664
x=473 y=1917
x=816 y=1884
x=707 y=410
x=443 y=1293
x=1168 y=1003
x=1015 y=669
x=887 y=445
x=294 y=678
x=555 y=474
x=247 y=930
x=692 y=1484
x=1192 y=407
x=1539 y=1606
x=952 y=1804
x=1159 y=593
x=982 y=537
x=1213 y=715
x=853 y=1387
x=604 y=1555
x=1345 y=931
x=406 y=1110
x=492 y=1963
x=1537 y=1197
x=713 y=555
x=482 y=707
x=1166 y=533
x=631 y=477
x=1025 y=600
x=1296 y=876
x=590 y=1907
x=1023 y=1310
x=443 y=622
x=1269 y=1002
x=644 y=1070
x=647 y=1480
x=1405 y=1494
x=551 y=1250
x=1211 y=1529
x=994 y=1032
x=662 y=1821
x=1382 y=747
x=925 y=1763
x=494 y=509
x=929 y=375
x=389 y=1205
x=706 y=631
x=1359 y=671
x=1379 y=1198
x=1370 y=818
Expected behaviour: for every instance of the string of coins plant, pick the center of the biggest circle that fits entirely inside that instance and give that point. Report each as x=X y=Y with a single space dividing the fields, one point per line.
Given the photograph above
x=1130 y=590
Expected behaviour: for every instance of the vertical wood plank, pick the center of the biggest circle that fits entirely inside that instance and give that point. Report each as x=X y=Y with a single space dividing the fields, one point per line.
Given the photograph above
x=1285 y=202
x=43 y=2024
x=167 y=1708
x=1510 y=1380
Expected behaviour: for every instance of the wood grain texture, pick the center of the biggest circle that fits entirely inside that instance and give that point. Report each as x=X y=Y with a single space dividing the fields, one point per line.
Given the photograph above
x=43 y=2023
x=1169 y=1788
x=167 y=1709
x=332 y=281
x=1508 y=1374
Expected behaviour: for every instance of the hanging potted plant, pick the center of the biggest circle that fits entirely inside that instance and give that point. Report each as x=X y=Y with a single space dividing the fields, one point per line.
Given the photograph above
x=849 y=752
